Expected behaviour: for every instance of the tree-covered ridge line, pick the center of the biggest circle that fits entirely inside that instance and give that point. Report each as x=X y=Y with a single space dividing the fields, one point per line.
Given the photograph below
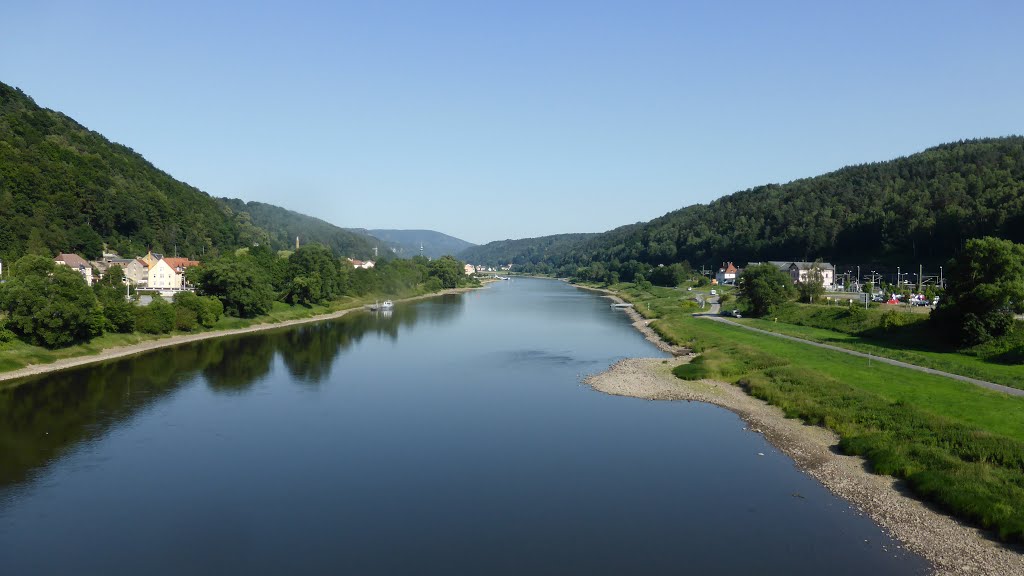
x=65 y=188
x=916 y=209
x=279 y=227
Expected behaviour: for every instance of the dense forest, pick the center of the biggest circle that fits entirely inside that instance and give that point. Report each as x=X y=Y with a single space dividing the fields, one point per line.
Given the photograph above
x=917 y=209
x=535 y=254
x=282 y=226
x=65 y=188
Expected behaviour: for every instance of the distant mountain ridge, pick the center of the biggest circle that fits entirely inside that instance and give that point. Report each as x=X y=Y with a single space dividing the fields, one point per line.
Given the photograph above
x=407 y=242
x=918 y=209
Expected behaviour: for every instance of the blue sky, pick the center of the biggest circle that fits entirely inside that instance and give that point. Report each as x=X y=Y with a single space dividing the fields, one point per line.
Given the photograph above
x=493 y=120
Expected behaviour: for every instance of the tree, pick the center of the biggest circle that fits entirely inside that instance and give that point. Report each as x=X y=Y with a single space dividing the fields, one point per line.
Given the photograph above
x=50 y=305
x=207 y=310
x=985 y=288
x=312 y=275
x=238 y=282
x=111 y=293
x=158 y=317
x=671 y=275
x=813 y=285
x=762 y=287
x=448 y=270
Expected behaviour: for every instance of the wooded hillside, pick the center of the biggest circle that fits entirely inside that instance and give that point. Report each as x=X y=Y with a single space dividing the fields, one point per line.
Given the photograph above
x=65 y=188
x=917 y=209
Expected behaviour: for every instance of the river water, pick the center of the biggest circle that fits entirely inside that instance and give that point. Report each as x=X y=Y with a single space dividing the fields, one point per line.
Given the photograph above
x=452 y=436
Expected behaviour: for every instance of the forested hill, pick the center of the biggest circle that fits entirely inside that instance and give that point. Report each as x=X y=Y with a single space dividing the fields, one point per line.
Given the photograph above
x=540 y=252
x=916 y=209
x=282 y=226
x=64 y=188
x=408 y=242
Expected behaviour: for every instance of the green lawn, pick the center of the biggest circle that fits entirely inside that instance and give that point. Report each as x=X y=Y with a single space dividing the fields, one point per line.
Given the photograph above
x=953 y=362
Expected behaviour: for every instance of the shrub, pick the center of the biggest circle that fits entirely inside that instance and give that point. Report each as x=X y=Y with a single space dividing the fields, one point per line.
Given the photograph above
x=157 y=318
x=185 y=319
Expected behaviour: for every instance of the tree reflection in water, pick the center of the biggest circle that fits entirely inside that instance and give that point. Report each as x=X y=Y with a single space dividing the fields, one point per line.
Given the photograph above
x=44 y=417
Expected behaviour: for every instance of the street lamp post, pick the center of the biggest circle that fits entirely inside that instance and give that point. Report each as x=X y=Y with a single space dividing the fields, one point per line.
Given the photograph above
x=941 y=284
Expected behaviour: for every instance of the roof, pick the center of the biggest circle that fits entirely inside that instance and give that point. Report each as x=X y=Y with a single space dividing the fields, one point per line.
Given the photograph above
x=809 y=265
x=800 y=265
x=180 y=262
x=72 y=260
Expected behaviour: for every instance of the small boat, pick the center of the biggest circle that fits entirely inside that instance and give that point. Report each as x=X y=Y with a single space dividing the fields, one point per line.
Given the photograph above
x=387 y=305
x=621 y=305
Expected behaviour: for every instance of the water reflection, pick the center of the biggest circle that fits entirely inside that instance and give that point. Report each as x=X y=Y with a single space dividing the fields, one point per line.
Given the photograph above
x=43 y=417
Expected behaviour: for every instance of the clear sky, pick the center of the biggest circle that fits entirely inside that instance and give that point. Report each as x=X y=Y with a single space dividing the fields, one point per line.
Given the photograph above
x=490 y=120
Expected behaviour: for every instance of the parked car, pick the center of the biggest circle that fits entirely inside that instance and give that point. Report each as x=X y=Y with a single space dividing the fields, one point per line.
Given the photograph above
x=714 y=292
x=736 y=314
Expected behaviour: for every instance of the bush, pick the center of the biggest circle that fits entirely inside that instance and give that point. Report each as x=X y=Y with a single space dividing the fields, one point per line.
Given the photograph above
x=891 y=319
x=185 y=319
x=206 y=310
x=157 y=318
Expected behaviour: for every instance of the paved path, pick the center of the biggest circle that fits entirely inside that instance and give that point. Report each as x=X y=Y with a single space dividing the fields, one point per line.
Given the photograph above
x=975 y=381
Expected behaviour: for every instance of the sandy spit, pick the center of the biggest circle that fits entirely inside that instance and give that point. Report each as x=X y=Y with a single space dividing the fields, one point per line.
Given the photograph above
x=952 y=548
x=142 y=347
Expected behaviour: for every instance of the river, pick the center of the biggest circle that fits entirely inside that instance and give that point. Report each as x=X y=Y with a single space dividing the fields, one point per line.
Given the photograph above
x=453 y=436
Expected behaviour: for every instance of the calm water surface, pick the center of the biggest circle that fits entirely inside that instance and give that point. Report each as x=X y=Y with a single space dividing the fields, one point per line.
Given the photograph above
x=451 y=437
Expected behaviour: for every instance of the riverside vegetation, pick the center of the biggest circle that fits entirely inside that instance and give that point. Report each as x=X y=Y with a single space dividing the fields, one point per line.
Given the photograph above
x=956 y=445
x=47 y=312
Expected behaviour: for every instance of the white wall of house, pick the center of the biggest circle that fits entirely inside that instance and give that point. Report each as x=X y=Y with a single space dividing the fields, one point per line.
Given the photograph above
x=162 y=276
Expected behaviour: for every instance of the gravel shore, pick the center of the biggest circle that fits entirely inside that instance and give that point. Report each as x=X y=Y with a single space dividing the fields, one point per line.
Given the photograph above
x=952 y=547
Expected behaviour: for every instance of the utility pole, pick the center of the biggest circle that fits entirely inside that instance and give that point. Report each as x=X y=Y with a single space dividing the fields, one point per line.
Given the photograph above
x=920 y=277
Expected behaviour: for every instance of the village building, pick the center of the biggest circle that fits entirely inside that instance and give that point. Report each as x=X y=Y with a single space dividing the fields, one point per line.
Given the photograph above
x=169 y=274
x=360 y=264
x=76 y=263
x=798 y=271
x=469 y=269
x=151 y=259
x=727 y=274
x=135 y=270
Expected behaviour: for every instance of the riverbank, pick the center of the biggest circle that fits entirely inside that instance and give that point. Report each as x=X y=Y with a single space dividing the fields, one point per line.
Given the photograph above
x=640 y=323
x=952 y=547
x=178 y=339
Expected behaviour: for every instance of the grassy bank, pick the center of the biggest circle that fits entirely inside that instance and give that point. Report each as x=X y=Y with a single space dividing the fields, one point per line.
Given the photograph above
x=957 y=445
x=18 y=354
x=908 y=338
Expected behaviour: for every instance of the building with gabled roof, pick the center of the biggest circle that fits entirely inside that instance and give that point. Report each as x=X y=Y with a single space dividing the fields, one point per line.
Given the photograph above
x=77 y=263
x=169 y=273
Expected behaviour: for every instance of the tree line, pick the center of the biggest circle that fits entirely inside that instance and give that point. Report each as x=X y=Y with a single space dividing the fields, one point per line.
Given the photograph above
x=50 y=305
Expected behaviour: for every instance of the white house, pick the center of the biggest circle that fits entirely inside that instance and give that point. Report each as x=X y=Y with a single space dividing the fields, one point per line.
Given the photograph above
x=727 y=274
x=169 y=273
x=469 y=269
x=798 y=271
x=360 y=264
